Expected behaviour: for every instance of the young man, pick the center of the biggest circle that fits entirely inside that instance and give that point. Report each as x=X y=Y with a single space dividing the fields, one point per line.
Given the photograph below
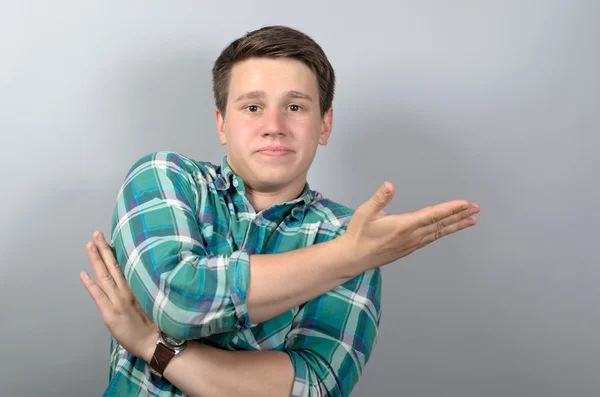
x=249 y=283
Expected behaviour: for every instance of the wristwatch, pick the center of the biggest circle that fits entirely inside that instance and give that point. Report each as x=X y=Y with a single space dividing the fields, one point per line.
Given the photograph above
x=167 y=347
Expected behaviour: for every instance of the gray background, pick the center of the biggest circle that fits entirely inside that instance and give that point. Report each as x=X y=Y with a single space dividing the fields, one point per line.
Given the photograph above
x=494 y=102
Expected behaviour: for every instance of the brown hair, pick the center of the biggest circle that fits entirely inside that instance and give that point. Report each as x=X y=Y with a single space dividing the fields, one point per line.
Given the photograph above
x=274 y=42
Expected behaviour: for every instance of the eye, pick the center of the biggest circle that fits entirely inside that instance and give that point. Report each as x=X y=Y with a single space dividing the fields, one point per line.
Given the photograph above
x=294 y=108
x=252 y=108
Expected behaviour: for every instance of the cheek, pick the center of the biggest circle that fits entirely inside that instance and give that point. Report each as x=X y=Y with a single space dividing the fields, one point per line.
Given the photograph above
x=307 y=127
x=240 y=132
x=247 y=126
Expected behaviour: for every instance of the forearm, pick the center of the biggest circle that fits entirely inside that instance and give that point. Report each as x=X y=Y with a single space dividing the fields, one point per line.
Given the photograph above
x=222 y=290
x=279 y=282
x=206 y=371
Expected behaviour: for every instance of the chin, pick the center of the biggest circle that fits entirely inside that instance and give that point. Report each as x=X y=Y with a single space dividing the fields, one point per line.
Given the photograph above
x=273 y=179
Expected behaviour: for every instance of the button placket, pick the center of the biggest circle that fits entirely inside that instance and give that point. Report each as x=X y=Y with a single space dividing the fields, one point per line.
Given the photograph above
x=245 y=240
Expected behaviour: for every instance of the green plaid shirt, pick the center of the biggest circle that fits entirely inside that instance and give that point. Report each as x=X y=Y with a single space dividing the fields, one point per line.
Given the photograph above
x=183 y=230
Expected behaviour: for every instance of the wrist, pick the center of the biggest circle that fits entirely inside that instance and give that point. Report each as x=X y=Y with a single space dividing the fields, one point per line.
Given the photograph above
x=149 y=345
x=347 y=261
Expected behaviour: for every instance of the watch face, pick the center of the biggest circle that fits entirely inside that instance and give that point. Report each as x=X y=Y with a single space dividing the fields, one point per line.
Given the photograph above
x=173 y=341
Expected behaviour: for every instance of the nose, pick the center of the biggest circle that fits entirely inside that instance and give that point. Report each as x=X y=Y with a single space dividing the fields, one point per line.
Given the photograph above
x=274 y=123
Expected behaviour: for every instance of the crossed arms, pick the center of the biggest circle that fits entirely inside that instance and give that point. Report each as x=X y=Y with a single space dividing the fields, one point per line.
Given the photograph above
x=191 y=294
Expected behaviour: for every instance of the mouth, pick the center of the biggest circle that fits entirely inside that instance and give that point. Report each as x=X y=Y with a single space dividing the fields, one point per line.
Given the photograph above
x=275 y=151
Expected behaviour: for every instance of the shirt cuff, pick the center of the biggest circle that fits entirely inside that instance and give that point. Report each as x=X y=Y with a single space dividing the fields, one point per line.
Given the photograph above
x=301 y=385
x=239 y=274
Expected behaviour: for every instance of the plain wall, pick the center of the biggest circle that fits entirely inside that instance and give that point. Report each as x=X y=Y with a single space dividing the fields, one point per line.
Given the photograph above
x=493 y=102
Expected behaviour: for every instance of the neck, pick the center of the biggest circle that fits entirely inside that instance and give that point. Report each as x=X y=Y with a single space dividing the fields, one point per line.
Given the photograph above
x=261 y=195
x=262 y=198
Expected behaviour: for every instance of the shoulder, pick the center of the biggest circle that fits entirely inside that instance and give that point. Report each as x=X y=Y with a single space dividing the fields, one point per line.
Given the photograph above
x=172 y=165
x=333 y=217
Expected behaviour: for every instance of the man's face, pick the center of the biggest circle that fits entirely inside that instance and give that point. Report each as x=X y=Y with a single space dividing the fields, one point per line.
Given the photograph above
x=272 y=124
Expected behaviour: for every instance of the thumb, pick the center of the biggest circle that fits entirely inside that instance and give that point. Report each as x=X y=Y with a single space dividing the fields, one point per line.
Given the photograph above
x=379 y=200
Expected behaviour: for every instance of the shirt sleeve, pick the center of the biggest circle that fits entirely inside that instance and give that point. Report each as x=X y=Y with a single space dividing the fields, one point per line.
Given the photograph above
x=333 y=336
x=188 y=293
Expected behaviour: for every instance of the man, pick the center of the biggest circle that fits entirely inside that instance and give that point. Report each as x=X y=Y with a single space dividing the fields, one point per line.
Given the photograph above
x=249 y=283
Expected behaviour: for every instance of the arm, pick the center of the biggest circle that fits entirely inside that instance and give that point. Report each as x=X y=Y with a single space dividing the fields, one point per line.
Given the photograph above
x=188 y=293
x=202 y=370
x=331 y=341
x=372 y=236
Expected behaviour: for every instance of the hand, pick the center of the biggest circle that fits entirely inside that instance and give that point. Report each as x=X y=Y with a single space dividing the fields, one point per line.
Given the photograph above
x=122 y=314
x=374 y=238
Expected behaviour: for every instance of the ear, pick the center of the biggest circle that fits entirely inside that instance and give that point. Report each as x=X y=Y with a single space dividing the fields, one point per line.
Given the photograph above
x=326 y=126
x=221 y=127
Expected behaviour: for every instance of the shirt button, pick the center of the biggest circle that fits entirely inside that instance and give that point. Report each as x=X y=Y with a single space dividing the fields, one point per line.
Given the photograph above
x=257 y=221
x=235 y=183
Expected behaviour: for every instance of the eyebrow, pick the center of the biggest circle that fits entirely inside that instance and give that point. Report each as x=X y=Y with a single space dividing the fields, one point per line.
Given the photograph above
x=251 y=95
x=261 y=94
x=299 y=95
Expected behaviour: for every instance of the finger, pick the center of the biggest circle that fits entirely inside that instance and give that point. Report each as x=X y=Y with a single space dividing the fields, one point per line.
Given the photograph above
x=464 y=216
x=103 y=276
x=379 y=200
x=430 y=215
x=452 y=228
x=109 y=259
x=100 y=298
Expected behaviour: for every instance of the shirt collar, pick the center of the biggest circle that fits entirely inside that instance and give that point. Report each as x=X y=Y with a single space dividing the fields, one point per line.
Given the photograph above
x=226 y=177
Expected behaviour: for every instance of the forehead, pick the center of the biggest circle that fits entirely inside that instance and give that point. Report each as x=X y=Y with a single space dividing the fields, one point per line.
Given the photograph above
x=272 y=76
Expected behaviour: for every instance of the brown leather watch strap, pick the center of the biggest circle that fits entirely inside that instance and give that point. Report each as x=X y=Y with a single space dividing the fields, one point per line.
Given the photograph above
x=160 y=359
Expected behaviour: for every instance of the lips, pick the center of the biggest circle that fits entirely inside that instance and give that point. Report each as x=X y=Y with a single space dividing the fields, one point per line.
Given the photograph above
x=275 y=149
